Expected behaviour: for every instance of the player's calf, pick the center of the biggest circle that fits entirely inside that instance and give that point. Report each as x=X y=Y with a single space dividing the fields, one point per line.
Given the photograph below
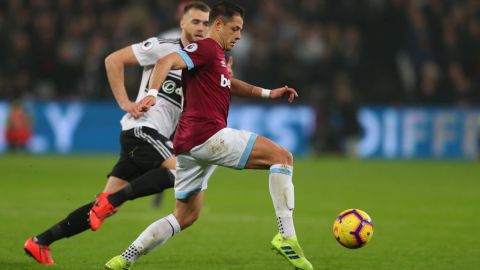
x=188 y=211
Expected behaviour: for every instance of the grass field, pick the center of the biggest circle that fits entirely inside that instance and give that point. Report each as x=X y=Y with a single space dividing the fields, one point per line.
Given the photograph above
x=425 y=213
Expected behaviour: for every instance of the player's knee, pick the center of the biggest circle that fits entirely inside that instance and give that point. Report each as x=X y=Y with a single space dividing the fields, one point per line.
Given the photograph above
x=289 y=158
x=284 y=157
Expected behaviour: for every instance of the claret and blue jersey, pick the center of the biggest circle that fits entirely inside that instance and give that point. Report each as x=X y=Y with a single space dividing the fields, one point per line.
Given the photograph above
x=206 y=89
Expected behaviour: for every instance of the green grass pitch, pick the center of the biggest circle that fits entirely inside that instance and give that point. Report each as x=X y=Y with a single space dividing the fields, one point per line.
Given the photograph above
x=426 y=215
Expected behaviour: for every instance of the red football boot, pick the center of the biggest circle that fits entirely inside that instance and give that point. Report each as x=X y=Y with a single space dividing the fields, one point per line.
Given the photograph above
x=39 y=252
x=101 y=209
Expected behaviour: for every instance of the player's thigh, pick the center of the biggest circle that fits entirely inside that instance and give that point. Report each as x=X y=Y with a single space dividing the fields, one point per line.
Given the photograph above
x=170 y=163
x=151 y=149
x=192 y=176
x=266 y=153
x=142 y=149
x=228 y=147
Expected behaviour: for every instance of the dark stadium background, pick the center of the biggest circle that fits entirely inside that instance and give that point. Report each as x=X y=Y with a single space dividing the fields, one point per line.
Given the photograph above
x=342 y=55
x=387 y=121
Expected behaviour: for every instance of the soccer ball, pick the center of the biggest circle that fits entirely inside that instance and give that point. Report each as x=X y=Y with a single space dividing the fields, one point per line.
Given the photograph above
x=353 y=228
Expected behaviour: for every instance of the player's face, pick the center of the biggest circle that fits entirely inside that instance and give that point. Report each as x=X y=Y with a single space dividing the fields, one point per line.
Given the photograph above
x=231 y=32
x=194 y=24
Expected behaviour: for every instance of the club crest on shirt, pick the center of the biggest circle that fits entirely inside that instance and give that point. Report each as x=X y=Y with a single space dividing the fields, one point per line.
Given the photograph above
x=191 y=47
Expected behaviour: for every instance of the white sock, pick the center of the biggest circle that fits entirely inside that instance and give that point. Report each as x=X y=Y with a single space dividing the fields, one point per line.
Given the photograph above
x=155 y=235
x=282 y=192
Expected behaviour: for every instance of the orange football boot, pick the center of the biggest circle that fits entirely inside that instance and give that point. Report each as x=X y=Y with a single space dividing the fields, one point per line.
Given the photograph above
x=101 y=209
x=39 y=252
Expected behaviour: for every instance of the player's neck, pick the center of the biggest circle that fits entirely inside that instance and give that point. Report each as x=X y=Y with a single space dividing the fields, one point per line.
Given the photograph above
x=216 y=38
x=184 y=40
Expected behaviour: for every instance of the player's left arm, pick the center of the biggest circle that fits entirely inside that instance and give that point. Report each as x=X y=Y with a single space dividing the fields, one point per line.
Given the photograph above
x=172 y=61
x=243 y=89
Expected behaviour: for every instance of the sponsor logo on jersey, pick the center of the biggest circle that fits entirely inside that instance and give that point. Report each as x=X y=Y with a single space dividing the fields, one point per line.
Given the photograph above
x=171 y=90
x=224 y=82
x=170 y=87
x=191 y=47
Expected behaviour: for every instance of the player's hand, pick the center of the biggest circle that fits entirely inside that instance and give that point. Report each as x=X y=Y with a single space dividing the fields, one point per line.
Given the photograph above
x=138 y=109
x=146 y=103
x=132 y=108
x=284 y=91
x=229 y=66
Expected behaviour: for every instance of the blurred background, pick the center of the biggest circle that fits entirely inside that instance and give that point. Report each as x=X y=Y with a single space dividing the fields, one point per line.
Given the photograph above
x=377 y=78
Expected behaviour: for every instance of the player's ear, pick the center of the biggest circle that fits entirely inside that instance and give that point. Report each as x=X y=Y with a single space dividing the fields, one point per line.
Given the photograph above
x=182 y=24
x=218 y=23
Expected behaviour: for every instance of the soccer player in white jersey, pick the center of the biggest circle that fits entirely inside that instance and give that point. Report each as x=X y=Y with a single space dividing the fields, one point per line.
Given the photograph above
x=202 y=139
x=146 y=149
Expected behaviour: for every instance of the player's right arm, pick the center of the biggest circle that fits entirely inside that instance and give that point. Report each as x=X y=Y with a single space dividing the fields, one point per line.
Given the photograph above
x=172 y=61
x=193 y=55
x=115 y=67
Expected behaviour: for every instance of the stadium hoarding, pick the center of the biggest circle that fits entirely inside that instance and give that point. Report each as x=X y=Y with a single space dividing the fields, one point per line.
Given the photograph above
x=388 y=132
x=93 y=127
x=419 y=132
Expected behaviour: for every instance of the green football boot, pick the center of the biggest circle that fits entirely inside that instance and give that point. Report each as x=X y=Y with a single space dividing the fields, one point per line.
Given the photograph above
x=291 y=250
x=118 y=263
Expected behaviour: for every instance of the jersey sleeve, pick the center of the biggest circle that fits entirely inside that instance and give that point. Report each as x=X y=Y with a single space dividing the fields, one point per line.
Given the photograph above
x=148 y=51
x=197 y=54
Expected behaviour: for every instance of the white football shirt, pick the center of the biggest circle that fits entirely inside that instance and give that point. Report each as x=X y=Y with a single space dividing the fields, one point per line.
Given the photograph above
x=165 y=114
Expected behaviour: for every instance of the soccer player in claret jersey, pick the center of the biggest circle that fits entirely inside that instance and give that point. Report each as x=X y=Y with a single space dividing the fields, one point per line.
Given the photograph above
x=202 y=139
x=146 y=153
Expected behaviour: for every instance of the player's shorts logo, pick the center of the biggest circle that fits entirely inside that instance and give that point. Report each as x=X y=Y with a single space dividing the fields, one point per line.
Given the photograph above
x=191 y=47
x=147 y=45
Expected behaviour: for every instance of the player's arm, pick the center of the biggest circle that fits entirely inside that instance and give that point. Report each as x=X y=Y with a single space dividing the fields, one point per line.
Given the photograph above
x=115 y=67
x=243 y=89
x=172 y=61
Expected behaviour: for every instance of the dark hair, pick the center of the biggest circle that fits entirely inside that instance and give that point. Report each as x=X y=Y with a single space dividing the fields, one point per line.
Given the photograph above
x=196 y=5
x=226 y=11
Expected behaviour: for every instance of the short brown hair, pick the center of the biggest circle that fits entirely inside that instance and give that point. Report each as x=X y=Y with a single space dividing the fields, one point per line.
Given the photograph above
x=196 y=5
x=226 y=10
